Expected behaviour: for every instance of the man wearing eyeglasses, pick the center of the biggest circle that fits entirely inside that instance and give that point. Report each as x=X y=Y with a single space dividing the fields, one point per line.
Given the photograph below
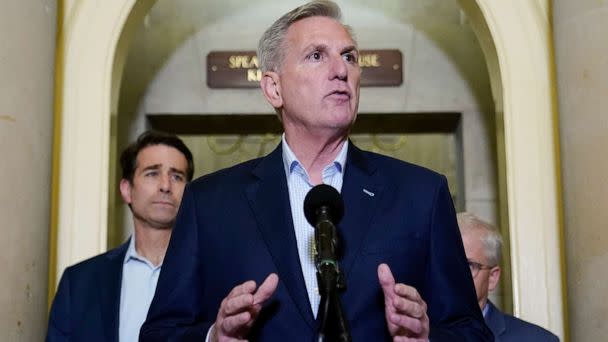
x=483 y=244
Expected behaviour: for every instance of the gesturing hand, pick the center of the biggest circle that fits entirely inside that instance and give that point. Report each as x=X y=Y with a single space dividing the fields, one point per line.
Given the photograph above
x=240 y=309
x=405 y=310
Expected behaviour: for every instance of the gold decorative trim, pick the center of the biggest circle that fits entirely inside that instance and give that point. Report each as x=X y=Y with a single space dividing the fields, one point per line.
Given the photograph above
x=388 y=147
x=56 y=154
x=213 y=145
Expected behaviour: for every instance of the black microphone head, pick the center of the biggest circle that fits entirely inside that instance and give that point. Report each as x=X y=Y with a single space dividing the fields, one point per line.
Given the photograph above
x=323 y=195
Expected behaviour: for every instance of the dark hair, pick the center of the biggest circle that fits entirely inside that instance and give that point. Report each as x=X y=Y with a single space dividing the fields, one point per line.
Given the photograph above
x=128 y=158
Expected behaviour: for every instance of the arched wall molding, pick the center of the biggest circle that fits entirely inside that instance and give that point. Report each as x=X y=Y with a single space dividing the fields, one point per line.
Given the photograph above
x=516 y=38
x=517 y=45
x=95 y=35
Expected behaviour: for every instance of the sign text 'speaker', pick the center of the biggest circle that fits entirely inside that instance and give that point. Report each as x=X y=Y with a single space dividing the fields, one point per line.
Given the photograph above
x=240 y=69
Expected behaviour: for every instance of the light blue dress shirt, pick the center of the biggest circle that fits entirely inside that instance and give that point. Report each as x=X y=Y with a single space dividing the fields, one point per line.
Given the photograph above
x=298 y=183
x=139 y=279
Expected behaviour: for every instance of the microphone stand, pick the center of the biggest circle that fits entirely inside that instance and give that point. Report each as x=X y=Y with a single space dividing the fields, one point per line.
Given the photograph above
x=333 y=325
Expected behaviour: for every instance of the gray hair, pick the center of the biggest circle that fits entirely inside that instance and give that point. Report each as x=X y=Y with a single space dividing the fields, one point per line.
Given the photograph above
x=270 y=48
x=490 y=236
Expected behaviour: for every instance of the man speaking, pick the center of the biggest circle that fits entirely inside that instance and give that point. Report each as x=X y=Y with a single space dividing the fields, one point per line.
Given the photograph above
x=240 y=264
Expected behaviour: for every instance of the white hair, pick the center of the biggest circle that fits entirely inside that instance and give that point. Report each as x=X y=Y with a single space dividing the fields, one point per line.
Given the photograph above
x=490 y=236
x=271 y=51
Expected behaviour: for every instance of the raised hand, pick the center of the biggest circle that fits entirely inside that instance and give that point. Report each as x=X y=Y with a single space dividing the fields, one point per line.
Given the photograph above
x=240 y=309
x=405 y=310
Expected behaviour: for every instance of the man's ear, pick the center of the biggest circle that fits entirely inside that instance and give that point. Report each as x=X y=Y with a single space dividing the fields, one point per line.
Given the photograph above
x=125 y=190
x=271 y=88
x=494 y=278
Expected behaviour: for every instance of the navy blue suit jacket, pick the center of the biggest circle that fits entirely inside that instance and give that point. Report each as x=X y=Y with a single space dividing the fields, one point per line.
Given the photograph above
x=507 y=328
x=235 y=225
x=87 y=303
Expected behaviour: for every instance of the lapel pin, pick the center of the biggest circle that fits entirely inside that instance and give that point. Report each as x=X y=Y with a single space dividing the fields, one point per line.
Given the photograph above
x=369 y=193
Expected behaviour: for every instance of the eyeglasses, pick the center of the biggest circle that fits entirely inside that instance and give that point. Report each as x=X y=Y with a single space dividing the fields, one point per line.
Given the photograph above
x=476 y=267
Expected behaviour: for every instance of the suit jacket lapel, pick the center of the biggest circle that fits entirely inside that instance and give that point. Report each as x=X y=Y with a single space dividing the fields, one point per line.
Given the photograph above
x=110 y=278
x=361 y=192
x=269 y=199
x=495 y=320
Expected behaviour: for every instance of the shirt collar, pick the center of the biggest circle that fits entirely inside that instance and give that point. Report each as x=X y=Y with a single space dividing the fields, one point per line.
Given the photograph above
x=133 y=255
x=290 y=161
x=485 y=310
x=131 y=251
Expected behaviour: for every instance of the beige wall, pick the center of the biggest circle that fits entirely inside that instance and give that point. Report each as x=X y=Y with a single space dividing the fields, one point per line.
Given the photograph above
x=580 y=29
x=27 y=45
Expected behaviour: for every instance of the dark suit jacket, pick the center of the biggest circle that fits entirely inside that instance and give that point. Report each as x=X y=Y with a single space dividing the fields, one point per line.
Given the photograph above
x=87 y=302
x=236 y=225
x=507 y=328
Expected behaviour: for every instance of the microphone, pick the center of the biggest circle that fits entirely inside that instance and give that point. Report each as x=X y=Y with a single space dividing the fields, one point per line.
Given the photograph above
x=324 y=208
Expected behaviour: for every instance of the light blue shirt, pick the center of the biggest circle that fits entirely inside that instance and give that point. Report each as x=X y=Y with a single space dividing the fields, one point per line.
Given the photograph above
x=139 y=279
x=298 y=183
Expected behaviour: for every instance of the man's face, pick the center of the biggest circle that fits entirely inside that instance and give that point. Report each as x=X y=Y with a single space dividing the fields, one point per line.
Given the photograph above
x=158 y=185
x=486 y=279
x=318 y=81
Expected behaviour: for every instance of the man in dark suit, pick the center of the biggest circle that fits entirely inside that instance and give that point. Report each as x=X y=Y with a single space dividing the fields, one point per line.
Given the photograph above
x=483 y=245
x=106 y=298
x=241 y=227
